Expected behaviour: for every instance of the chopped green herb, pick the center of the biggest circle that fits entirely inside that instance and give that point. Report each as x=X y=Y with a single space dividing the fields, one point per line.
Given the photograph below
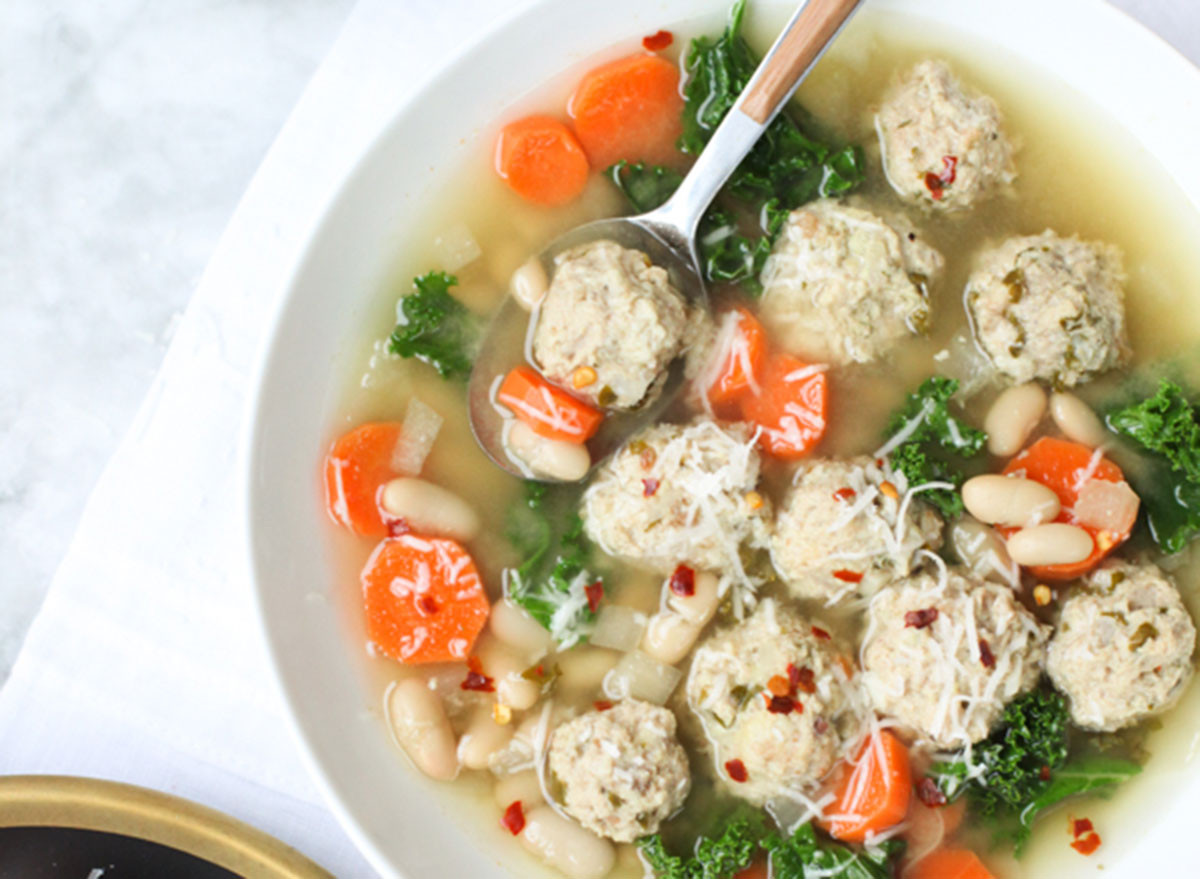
x=933 y=440
x=1165 y=428
x=804 y=854
x=435 y=327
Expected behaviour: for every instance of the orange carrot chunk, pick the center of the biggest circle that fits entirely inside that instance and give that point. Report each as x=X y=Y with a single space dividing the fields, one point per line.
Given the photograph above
x=790 y=406
x=629 y=109
x=548 y=410
x=357 y=466
x=424 y=599
x=1067 y=468
x=742 y=345
x=949 y=863
x=871 y=794
x=540 y=159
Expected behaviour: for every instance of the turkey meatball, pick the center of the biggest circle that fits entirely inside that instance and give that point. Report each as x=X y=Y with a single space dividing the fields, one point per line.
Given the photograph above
x=1123 y=647
x=1049 y=308
x=844 y=286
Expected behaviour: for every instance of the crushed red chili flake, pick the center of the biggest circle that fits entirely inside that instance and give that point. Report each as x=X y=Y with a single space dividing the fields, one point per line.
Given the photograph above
x=949 y=169
x=783 y=705
x=594 y=592
x=647 y=457
x=398 y=527
x=427 y=605
x=736 y=770
x=1044 y=775
x=985 y=654
x=929 y=793
x=658 y=41
x=805 y=681
x=1080 y=826
x=844 y=494
x=683 y=581
x=514 y=818
x=821 y=633
x=479 y=682
x=602 y=705
x=649 y=487
x=778 y=685
x=848 y=576
x=919 y=619
x=934 y=184
x=1088 y=844
x=820 y=725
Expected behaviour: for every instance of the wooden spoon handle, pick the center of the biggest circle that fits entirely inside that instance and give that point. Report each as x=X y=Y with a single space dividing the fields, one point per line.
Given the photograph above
x=812 y=30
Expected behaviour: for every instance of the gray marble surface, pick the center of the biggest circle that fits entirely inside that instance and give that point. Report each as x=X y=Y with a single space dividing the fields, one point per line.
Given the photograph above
x=128 y=131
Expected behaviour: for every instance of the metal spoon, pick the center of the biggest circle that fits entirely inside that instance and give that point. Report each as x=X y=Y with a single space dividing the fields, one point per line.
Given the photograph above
x=666 y=235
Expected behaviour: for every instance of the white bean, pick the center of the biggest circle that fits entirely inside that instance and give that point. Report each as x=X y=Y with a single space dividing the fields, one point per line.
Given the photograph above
x=1076 y=420
x=557 y=459
x=523 y=786
x=1054 y=544
x=418 y=721
x=700 y=606
x=566 y=846
x=672 y=631
x=430 y=509
x=482 y=738
x=1009 y=500
x=516 y=628
x=529 y=283
x=1013 y=417
x=506 y=667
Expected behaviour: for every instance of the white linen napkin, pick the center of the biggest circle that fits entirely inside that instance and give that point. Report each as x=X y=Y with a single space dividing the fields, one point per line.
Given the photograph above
x=145 y=663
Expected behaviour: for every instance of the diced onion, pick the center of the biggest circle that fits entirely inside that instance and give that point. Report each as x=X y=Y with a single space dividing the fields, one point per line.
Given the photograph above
x=637 y=676
x=618 y=627
x=966 y=363
x=456 y=247
x=1107 y=506
x=420 y=430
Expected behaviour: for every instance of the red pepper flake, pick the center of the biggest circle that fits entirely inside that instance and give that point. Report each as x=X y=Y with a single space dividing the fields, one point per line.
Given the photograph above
x=514 y=818
x=844 y=494
x=1088 y=844
x=683 y=582
x=934 y=184
x=848 y=576
x=820 y=726
x=736 y=770
x=1044 y=775
x=783 y=705
x=778 y=685
x=985 y=654
x=594 y=593
x=658 y=41
x=647 y=457
x=805 y=680
x=929 y=793
x=398 y=527
x=649 y=487
x=602 y=705
x=1080 y=826
x=427 y=605
x=478 y=682
x=919 y=619
x=821 y=633
x=949 y=169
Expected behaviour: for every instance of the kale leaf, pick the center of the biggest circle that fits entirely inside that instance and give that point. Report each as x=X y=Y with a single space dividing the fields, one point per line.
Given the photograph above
x=785 y=169
x=1166 y=429
x=1027 y=767
x=552 y=580
x=933 y=439
x=804 y=854
x=715 y=858
x=435 y=327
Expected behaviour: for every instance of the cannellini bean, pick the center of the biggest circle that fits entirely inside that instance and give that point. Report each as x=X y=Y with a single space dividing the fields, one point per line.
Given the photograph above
x=430 y=509
x=673 y=631
x=523 y=786
x=1076 y=420
x=1009 y=500
x=557 y=459
x=516 y=628
x=1013 y=417
x=418 y=721
x=529 y=283
x=506 y=666
x=482 y=738
x=584 y=668
x=700 y=606
x=1053 y=544
x=982 y=549
x=565 y=845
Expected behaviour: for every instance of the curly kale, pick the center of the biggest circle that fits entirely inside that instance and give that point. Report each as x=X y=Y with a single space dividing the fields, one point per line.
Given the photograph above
x=715 y=858
x=436 y=328
x=804 y=854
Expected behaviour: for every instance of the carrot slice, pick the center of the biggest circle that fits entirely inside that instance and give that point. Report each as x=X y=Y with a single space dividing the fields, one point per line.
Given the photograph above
x=357 y=466
x=754 y=871
x=1065 y=468
x=872 y=793
x=424 y=599
x=790 y=406
x=548 y=410
x=540 y=159
x=949 y=863
x=629 y=109
x=742 y=345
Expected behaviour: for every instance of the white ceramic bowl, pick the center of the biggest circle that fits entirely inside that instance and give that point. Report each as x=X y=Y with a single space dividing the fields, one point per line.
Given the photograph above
x=399 y=820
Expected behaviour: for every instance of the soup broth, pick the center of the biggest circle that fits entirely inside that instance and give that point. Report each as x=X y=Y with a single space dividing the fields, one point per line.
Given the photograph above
x=1078 y=174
